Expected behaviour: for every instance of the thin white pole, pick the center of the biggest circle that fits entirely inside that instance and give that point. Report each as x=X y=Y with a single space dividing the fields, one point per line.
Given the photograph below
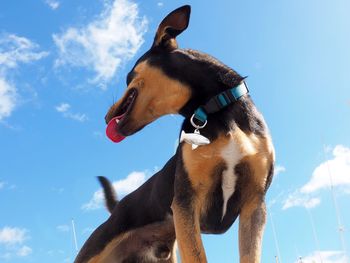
x=317 y=242
x=276 y=241
x=336 y=207
x=298 y=254
x=74 y=236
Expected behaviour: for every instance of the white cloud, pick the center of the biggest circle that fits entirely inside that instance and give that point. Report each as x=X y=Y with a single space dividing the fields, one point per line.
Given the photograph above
x=338 y=168
x=24 y=251
x=13 y=235
x=299 y=199
x=64 y=108
x=8 y=98
x=122 y=187
x=53 y=4
x=13 y=51
x=11 y=252
x=63 y=228
x=279 y=169
x=160 y=4
x=327 y=257
x=129 y=184
x=2 y=184
x=77 y=116
x=105 y=43
x=12 y=239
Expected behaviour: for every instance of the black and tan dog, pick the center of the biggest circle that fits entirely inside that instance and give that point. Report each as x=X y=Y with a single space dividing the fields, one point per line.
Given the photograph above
x=207 y=187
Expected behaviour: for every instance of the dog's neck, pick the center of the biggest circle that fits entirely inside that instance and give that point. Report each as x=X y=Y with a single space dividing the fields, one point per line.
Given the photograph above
x=207 y=77
x=241 y=113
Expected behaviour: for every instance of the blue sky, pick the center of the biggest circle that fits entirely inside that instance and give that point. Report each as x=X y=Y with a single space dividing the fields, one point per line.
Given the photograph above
x=63 y=63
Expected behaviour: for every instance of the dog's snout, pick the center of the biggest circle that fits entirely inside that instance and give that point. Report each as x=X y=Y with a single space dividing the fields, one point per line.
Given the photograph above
x=109 y=114
x=107 y=118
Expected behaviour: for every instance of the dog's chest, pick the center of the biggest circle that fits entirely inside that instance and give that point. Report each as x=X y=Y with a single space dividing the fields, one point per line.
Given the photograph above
x=231 y=155
x=211 y=165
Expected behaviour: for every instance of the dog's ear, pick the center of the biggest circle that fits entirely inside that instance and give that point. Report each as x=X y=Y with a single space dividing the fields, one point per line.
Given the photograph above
x=171 y=26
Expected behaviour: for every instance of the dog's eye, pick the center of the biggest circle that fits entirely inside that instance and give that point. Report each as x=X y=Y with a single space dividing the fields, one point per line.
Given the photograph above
x=129 y=77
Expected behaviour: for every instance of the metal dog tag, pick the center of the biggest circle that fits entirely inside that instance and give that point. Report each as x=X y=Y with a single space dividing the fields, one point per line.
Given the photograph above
x=195 y=139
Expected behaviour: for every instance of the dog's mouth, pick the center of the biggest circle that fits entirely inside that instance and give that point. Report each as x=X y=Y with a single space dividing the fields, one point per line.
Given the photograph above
x=114 y=127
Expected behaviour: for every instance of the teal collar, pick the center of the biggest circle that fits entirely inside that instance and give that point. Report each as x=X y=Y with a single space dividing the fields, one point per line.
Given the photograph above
x=220 y=101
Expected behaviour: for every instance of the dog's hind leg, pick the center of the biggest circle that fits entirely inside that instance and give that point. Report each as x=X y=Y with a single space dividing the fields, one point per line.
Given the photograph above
x=252 y=221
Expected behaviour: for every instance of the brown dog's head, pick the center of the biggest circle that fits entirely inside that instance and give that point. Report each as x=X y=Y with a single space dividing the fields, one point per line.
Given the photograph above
x=168 y=80
x=150 y=92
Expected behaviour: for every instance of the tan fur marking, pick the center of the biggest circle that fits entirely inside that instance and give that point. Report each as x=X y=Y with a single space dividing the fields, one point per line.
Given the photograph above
x=107 y=251
x=201 y=162
x=158 y=95
x=251 y=227
x=188 y=236
x=200 y=165
x=259 y=154
x=141 y=242
x=252 y=217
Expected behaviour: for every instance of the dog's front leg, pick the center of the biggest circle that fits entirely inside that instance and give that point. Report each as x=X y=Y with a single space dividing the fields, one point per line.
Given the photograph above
x=252 y=221
x=185 y=208
x=187 y=231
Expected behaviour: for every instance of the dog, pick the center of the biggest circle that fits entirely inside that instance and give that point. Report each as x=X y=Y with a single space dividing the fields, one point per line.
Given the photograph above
x=140 y=228
x=226 y=168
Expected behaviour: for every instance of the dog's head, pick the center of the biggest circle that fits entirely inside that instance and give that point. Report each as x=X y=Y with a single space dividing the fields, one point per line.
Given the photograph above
x=166 y=79
x=150 y=92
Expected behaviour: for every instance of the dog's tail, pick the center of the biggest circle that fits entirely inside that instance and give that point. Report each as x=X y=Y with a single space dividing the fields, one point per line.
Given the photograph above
x=110 y=195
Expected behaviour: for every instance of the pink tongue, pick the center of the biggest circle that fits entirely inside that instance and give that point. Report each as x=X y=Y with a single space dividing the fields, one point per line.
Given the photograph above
x=112 y=130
